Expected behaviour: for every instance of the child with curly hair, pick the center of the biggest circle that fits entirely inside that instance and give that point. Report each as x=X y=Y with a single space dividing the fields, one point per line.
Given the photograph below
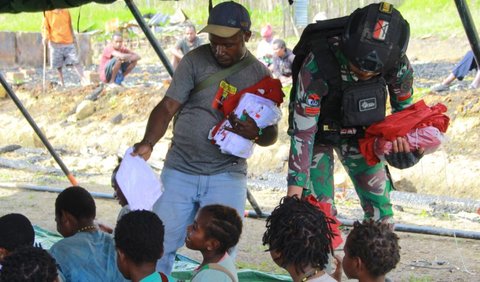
x=371 y=251
x=299 y=237
x=215 y=230
x=139 y=243
x=29 y=264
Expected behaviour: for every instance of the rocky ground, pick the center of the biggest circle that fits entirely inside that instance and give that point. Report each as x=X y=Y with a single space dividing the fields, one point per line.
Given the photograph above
x=89 y=141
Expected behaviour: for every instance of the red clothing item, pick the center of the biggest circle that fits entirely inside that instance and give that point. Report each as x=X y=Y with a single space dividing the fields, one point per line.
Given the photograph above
x=268 y=87
x=418 y=115
x=107 y=56
x=332 y=221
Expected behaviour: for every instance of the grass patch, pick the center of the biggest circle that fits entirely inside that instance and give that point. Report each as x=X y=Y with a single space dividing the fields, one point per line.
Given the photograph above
x=420 y=279
x=94 y=16
x=264 y=266
x=439 y=17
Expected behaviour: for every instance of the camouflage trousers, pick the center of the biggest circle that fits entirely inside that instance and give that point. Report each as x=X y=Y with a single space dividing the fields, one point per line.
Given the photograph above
x=372 y=183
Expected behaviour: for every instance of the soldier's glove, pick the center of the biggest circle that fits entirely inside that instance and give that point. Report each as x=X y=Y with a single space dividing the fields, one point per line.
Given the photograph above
x=403 y=160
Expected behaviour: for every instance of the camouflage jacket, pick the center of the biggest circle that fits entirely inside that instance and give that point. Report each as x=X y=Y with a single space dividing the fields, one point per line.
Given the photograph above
x=307 y=107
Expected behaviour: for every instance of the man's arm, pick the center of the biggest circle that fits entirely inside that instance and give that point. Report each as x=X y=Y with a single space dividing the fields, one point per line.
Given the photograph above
x=177 y=52
x=126 y=56
x=401 y=97
x=157 y=125
x=306 y=111
x=400 y=86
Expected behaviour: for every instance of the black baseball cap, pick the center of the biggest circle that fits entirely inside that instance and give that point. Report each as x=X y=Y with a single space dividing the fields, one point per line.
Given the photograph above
x=226 y=19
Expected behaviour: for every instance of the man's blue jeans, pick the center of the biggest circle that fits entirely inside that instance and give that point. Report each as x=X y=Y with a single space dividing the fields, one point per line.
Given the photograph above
x=184 y=195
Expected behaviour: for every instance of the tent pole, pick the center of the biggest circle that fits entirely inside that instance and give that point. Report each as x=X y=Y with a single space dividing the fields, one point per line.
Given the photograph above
x=37 y=130
x=469 y=26
x=254 y=203
x=151 y=38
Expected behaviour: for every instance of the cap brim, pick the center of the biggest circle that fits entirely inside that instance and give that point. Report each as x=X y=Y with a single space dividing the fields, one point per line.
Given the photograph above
x=220 y=31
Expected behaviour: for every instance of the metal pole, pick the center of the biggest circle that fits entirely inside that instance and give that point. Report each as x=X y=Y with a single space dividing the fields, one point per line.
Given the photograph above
x=50 y=189
x=254 y=214
x=427 y=230
x=151 y=38
x=254 y=203
x=409 y=228
x=37 y=130
x=469 y=26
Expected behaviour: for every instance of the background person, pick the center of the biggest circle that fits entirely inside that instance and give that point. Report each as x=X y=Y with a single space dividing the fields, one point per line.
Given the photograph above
x=116 y=61
x=57 y=30
x=189 y=42
x=196 y=172
x=264 y=48
x=282 y=61
x=463 y=67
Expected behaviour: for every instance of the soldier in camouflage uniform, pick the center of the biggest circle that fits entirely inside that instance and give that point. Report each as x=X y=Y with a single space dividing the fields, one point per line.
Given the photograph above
x=311 y=160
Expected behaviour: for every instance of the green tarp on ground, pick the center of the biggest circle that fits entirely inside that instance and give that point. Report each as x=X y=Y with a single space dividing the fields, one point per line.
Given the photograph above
x=17 y=6
x=182 y=269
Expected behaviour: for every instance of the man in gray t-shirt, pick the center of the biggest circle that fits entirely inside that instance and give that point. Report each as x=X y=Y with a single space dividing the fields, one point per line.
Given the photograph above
x=189 y=42
x=196 y=173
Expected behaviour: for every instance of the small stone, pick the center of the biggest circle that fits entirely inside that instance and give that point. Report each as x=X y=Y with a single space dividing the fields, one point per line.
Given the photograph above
x=85 y=109
x=117 y=119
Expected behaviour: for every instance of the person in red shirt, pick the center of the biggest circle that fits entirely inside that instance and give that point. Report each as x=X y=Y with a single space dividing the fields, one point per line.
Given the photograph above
x=117 y=61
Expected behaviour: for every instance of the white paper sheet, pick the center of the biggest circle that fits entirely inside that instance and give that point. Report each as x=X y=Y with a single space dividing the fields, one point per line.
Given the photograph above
x=139 y=184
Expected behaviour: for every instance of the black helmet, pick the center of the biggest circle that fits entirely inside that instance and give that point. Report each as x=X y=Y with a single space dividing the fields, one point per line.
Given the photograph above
x=376 y=37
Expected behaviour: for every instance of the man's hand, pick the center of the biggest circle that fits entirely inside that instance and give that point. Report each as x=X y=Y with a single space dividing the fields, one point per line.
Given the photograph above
x=143 y=149
x=244 y=126
x=401 y=157
x=295 y=190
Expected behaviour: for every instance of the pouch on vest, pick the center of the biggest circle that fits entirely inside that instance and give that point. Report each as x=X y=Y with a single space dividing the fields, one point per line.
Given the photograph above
x=364 y=102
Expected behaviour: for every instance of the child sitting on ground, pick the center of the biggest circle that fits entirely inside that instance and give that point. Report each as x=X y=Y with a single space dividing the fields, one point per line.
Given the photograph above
x=86 y=253
x=299 y=238
x=118 y=194
x=29 y=264
x=215 y=230
x=15 y=231
x=371 y=251
x=139 y=242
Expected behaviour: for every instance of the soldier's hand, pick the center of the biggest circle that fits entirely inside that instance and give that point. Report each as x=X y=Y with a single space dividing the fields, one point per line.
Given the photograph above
x=401 y=157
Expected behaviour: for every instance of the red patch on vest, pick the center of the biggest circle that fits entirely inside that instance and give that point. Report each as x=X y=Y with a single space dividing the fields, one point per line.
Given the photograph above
x=312 y=111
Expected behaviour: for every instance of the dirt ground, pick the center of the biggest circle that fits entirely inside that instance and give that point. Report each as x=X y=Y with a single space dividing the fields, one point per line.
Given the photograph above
x=89 y=148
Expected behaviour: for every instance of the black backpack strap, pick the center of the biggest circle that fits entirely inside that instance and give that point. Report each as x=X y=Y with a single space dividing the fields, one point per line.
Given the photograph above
x=222 y=74
x=314 y=39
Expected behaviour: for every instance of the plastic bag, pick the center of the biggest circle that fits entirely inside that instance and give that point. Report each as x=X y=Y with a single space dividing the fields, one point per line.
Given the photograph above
x=429 y=138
